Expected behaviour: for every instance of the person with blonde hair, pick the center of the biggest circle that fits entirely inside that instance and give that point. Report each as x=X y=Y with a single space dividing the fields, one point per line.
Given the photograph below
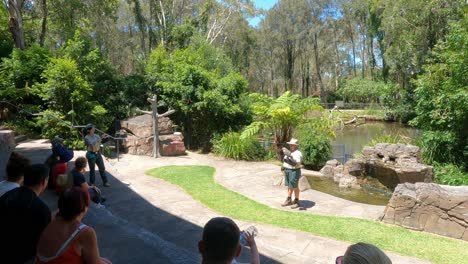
x=363 y=253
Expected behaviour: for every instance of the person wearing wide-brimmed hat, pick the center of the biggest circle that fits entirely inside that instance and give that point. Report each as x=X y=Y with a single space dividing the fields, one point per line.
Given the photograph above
x=93 y=145
x=292 y=168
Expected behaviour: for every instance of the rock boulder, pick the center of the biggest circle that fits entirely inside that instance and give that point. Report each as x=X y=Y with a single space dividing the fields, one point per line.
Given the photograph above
x=140 y=138
x=171 y=145
x=430 y=207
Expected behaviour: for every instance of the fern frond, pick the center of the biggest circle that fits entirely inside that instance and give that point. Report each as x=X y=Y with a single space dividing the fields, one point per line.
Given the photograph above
x=252 y=129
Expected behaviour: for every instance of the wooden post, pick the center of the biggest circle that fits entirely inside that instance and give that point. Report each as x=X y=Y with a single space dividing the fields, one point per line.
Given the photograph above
x=154 y=113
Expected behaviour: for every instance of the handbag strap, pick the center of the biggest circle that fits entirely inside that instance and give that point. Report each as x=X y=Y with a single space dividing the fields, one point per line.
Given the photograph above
x=64 y=245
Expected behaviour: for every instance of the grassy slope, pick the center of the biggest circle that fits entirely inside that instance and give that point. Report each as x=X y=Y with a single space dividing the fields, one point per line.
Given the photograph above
x=198 y=181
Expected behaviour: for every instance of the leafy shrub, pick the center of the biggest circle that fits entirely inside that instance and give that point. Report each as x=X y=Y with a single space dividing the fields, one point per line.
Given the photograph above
x=450 y=174
x=53 y=125
x=362 y=90
x=230 y=145
x=315 y=147
x=438 y=146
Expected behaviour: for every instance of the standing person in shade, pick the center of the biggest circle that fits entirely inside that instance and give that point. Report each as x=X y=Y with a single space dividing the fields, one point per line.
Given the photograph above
x=23 y=217
x=292 y=168
x=93 y=145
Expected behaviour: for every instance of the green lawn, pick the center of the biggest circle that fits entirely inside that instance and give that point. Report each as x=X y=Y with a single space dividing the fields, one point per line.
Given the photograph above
x=198 y=181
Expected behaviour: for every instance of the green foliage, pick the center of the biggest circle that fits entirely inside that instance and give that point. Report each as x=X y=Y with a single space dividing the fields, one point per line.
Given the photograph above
x=230 y=145
x=198 y=82
x=438 y=146
x=20 y=72
x=315 y=147
x=390 y=139
x=442 y=96
x=449 y=174
x=361 y=90
x=398 y=104
x=6 y=43
x=53 y=124
x=279 y=116
x=65 y=89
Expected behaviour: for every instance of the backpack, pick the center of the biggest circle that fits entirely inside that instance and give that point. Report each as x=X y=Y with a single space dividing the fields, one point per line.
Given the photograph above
x=65 y=180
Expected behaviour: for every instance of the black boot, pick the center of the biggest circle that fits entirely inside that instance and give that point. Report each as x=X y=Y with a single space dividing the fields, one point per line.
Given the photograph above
x=295 y=204
x=287 y=202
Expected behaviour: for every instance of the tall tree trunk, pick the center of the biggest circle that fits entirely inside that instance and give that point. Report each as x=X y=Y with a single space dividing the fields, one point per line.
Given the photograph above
x=337 y=62
x=16 y=22
x=44 y=23
x=323 y=95
x=351 y=37
x=363 y=56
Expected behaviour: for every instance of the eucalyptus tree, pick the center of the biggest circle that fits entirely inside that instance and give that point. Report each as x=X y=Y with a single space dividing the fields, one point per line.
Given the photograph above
x=15 y=21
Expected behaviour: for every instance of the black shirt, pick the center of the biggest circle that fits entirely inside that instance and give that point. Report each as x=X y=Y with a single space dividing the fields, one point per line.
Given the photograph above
x=78 y=178
x=23 y=217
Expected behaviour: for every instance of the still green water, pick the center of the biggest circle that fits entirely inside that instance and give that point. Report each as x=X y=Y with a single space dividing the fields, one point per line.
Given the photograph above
x=354 y=138
x=367 y=194
x=350 y=140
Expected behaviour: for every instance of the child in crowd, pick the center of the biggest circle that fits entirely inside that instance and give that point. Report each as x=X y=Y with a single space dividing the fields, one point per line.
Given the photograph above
x=79 y=180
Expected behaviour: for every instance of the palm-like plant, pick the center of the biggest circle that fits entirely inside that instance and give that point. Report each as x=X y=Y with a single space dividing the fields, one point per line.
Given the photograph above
x=279 y=116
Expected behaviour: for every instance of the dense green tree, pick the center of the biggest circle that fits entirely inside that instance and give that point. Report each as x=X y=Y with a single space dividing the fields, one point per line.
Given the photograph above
x=198 y=82
x=442 y=98
x=20 y=72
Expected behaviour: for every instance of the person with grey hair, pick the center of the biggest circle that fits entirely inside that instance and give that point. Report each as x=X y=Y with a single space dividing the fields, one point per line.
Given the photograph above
x=94 y=156
x=363 y=253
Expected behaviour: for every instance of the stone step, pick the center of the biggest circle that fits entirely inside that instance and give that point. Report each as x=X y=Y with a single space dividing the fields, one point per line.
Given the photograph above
x=116 y=234
x=20 y=138
x=122 y=241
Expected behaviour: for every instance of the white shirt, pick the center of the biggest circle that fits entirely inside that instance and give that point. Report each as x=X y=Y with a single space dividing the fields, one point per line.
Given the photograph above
x=6 y=186
x=297 y=156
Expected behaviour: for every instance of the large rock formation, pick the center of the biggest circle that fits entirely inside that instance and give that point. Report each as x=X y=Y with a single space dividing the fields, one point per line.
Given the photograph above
x=390 y=164
x=7 y=145
x=430 y=207
x=140 y=138
x=172 y=145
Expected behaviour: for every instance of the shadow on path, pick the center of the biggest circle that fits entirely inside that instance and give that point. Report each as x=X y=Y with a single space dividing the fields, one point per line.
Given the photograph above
x=129 y=228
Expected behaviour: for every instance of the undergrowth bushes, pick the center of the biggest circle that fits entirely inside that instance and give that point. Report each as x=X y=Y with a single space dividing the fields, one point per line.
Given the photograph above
x=450 y=174
x=231 y=146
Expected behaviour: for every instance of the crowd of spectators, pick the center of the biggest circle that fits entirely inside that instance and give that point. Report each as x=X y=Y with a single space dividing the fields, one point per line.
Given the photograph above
x=31 y=233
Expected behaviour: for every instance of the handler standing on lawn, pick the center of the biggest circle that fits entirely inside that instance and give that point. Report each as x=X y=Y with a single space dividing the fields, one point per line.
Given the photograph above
x=292 y=168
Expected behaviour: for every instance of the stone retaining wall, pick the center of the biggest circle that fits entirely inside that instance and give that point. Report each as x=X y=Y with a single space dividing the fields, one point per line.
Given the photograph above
x=430 y=207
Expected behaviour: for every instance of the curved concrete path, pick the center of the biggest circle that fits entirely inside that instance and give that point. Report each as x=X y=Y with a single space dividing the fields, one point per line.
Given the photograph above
x=171 y=215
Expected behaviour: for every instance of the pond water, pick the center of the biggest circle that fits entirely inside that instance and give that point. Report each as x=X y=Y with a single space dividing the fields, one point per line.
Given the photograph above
x=367 y=194
x=349 y=141
x=353 y=138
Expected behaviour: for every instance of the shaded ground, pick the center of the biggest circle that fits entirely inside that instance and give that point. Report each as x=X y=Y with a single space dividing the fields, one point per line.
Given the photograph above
x=147 y=220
